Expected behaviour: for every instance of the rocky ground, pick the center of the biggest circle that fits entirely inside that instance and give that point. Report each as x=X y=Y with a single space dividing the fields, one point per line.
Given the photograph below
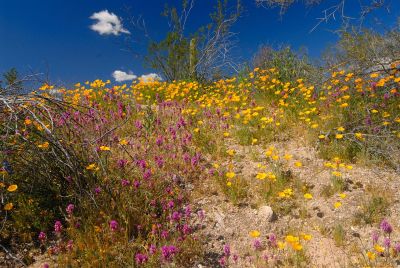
x=226 y=223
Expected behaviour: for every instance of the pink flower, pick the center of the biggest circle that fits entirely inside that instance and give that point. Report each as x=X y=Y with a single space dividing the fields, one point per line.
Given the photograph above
x=57 y=227
x=113 y=225
x=70 y=209
x=42 y=237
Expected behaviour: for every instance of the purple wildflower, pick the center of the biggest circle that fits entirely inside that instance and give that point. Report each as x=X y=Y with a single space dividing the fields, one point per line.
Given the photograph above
x=113 y=225
x=141 y=258
x=42 y=237
x=227 y=250
x=152 y=249
x=164 y=234
x=176 y=216
x=147 y=174
x=70 y=245
x=171 y=204
x=70 y=209
x=125 y=182
x=375 y=237
x=122 y=163
x=168 y=252
x=222 y=261
x=97 y=190
x=386 y=242
x=257 y=244
x=272 y=240
x=186 y=229
x=397 y=247
x=188 y=211
x=386 y=227
x=57 y=227
x=159 y=141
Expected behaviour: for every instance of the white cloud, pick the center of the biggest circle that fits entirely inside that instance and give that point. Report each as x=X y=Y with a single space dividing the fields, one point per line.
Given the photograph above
x=121 y=76
x=107 y=23
x=150 y=77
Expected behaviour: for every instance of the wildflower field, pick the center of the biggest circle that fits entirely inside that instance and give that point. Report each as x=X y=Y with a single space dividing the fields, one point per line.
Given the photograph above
x=249 y=171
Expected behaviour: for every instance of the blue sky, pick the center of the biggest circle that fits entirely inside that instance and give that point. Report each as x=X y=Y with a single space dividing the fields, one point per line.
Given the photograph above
x=54 y=36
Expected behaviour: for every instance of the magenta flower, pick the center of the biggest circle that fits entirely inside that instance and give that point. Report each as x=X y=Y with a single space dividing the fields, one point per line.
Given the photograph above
x=222 y=261
x=257 y=244
x=176 y=216
x=186 y=229
x=138 y=124
x=386 y=227
x=42 y=237
x=122 y=163
x=227 y=250
x=171 y=204
x=147 y=174
x=152 y=249
x=97 y=190
x=57 y=227
x=70 y=209
x=125 y=182
x=159 y=141
x=70 y=245
x=188 y=211
x=375 y=237
x=386 y=242
x=113 y=225
x=164 y=234
x=141 y=258
x=168 y=252
x=272 y=240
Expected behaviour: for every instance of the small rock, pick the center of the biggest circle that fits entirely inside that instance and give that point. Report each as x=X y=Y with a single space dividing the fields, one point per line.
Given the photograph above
x=266 y=213
x=320 y=214
x=356 y=234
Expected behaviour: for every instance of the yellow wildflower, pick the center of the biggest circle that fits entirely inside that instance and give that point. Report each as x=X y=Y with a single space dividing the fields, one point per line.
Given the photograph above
x=261 y=176
x=371 y=255
x=91 y=167
x=44 y=145
x=8 y=206
x=308 y=196
x=231 y=152
x=12 y=188
x=306 y=237
x=254 y=233
x=287 y=156
x=281 y=245
x=230 y=175
x=379 y=248
x=298 y=164
x=297 y=246
x=123 y=142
